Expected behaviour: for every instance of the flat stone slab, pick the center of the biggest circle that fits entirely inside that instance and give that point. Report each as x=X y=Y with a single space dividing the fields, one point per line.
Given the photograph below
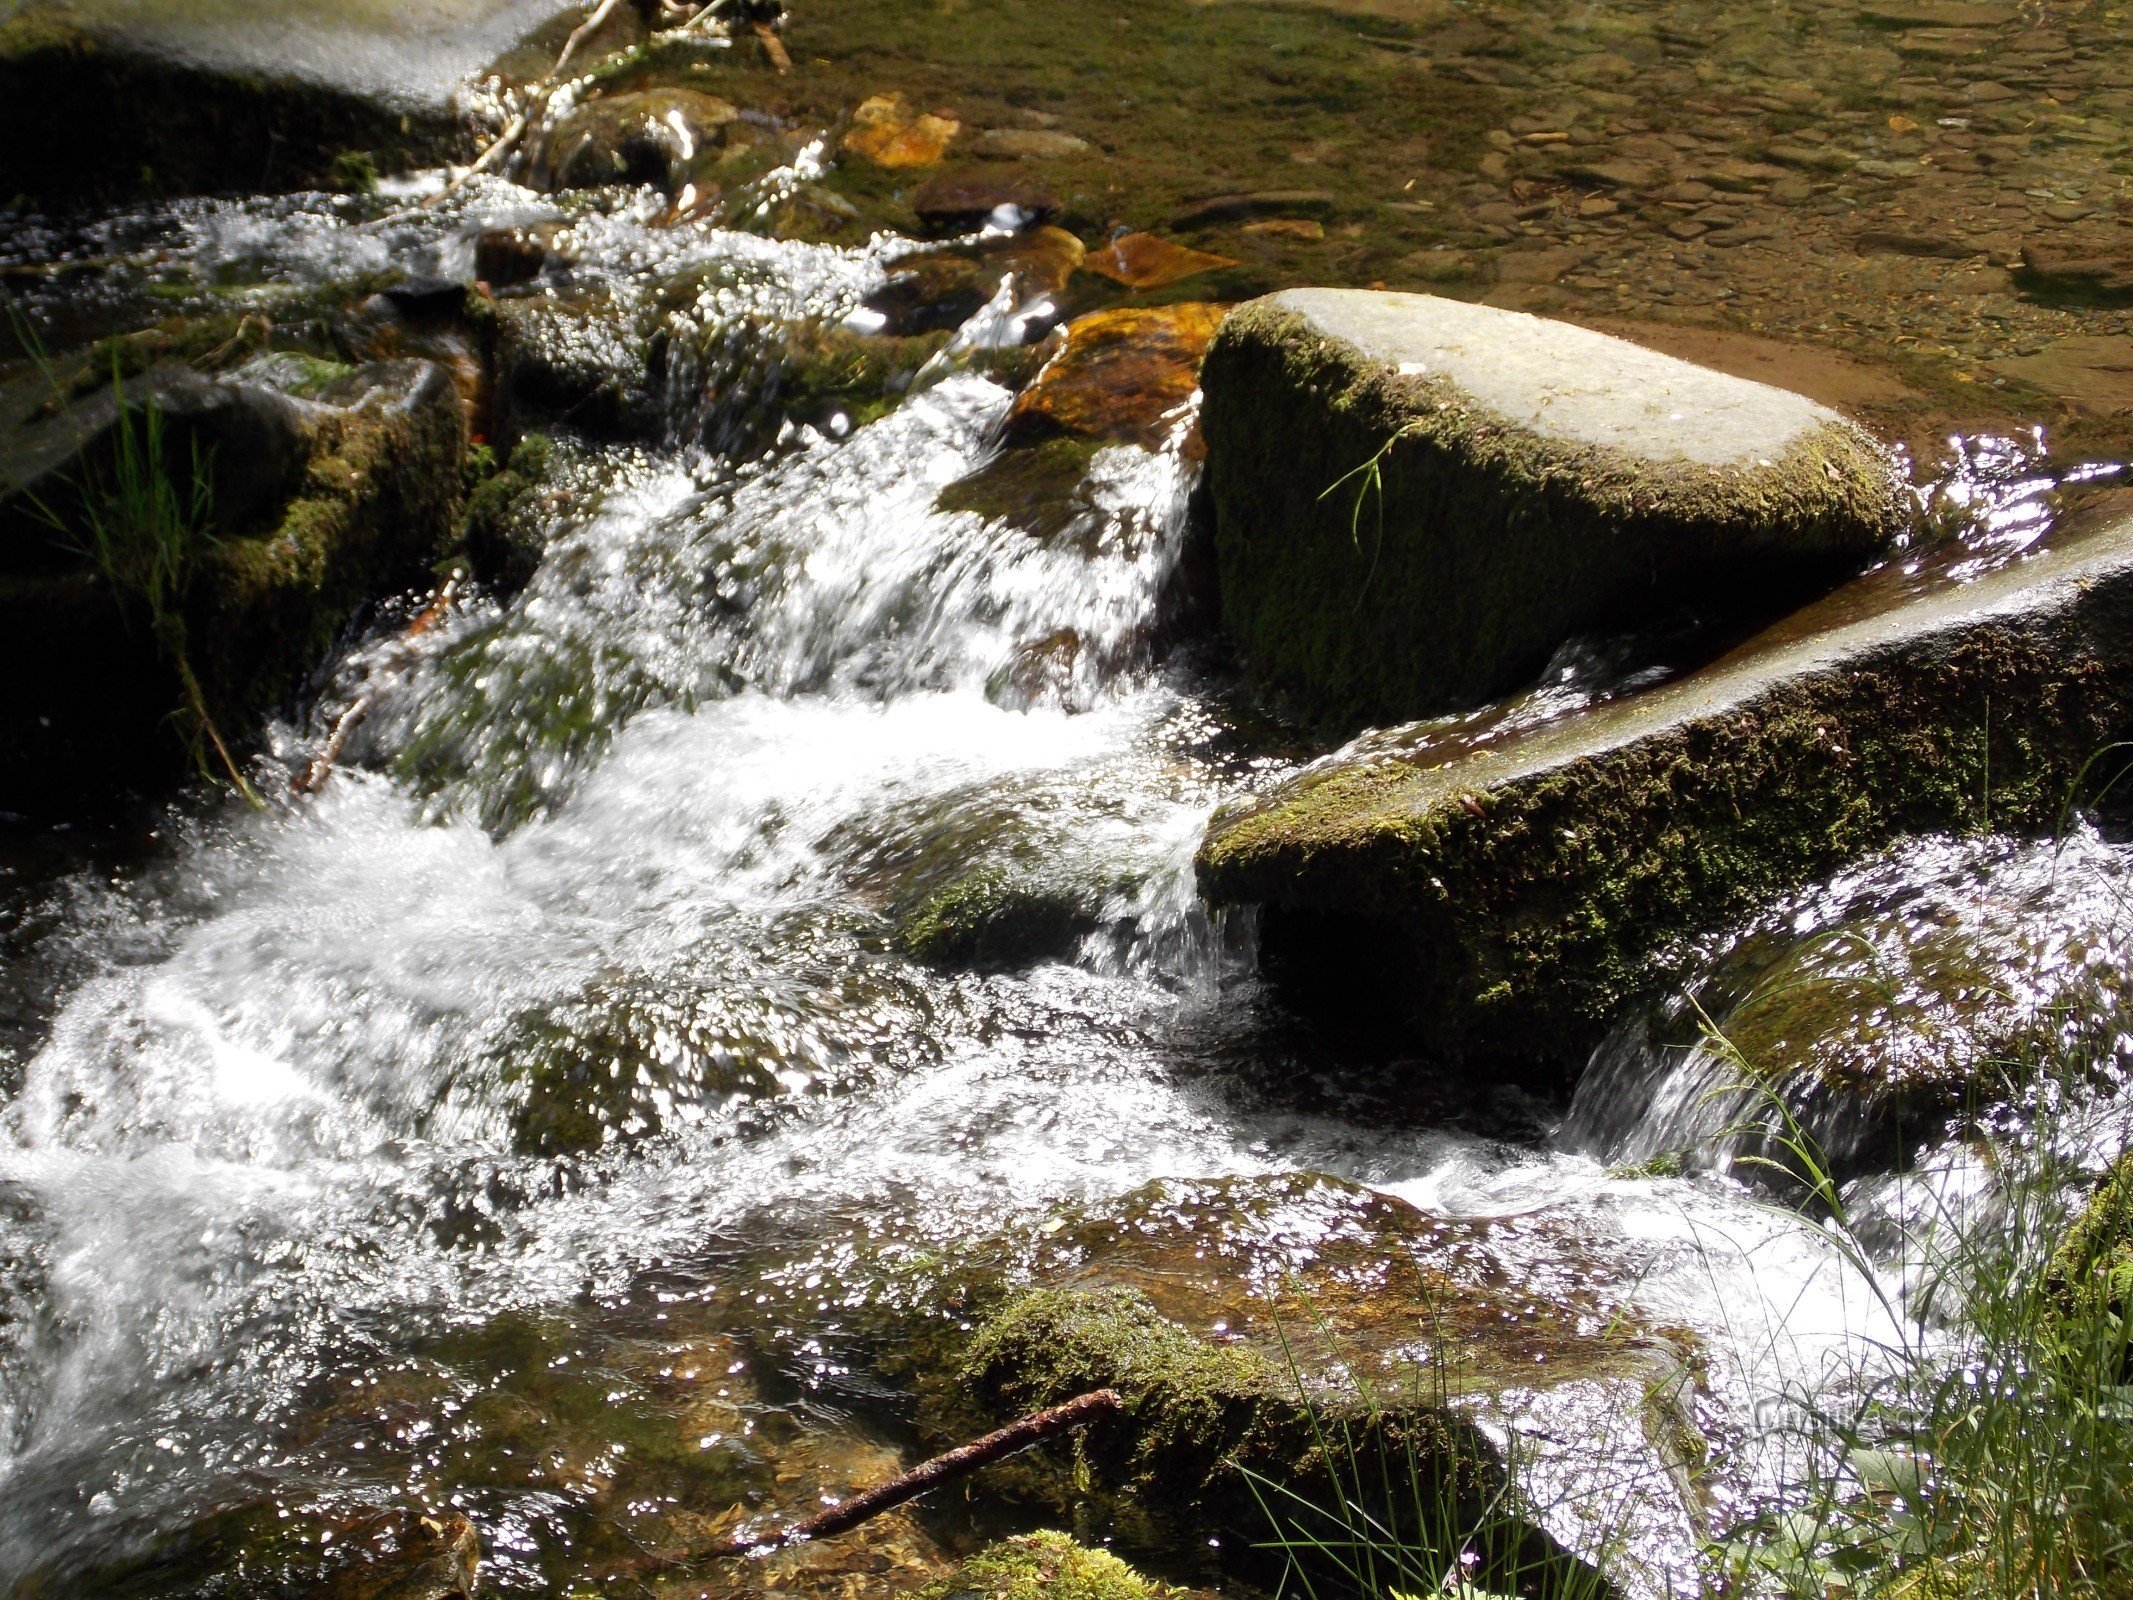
x=1417 y=500
x=1505 y=891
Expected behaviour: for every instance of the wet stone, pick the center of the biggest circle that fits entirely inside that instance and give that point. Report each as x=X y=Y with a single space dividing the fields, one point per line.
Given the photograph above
x=1506 y=899
x=885 y=131
x=642 y=136
x=1118 y=374
x=1143 y=261
x=964 y=204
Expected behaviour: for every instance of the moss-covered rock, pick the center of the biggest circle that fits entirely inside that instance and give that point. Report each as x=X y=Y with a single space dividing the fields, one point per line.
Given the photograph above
x=374 y=502
x=582 y=363
x=994 y=919
x=1208 y=1431
x=164 y=124
x=506 y=521
x=1044 y=1566
x=1417 y=500
x=1505 y=899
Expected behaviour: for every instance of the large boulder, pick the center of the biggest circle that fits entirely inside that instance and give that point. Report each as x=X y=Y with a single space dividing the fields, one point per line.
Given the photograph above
x=1504 y=891
x=95 y=112
x=1417 y=500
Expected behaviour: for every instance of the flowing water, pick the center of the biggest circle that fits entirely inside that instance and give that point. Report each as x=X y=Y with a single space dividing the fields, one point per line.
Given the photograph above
x=529 y=1123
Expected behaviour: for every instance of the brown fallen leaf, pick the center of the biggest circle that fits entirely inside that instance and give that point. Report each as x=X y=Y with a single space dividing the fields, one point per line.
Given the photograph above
x=1142 y=261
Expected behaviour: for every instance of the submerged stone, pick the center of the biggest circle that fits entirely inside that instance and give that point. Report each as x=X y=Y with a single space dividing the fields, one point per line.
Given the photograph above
x=650 y=136
x=1417 y=500
x=1118 y=375
x=1504 y=899
x=1144 y=261
x=995 y=919
x=886 y=132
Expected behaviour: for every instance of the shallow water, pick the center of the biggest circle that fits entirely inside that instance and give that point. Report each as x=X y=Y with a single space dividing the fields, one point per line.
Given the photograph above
x=533 y=1122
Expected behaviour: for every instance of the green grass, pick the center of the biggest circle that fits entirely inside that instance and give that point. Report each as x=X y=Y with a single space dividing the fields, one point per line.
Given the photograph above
x=1988 y=1449
x=143 y=520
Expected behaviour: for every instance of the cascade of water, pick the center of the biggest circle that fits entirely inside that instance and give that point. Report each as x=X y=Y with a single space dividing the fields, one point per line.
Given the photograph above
x=588 y=971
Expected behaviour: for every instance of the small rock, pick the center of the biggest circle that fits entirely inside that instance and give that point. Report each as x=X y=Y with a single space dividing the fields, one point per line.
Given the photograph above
x=2068 y=210
x=1143 y=261
x=2091 y=372
x=960 y=204
x=645 y=136
x=1987 y=92
x=2057 y=270
x=1889 y=242
x=1537 y=266
x=1597 y=206
x=1617 y=174
x=506 y=257
x=885 y=132
x=1029 y=144
x=1288 y=228
x=1264 y=203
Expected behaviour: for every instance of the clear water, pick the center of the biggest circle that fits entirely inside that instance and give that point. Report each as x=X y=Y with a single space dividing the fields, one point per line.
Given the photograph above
x=282 y=1224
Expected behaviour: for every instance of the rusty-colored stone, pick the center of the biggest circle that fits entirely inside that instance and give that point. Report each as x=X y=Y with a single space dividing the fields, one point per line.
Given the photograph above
x=1118 y=373
x=885 y=132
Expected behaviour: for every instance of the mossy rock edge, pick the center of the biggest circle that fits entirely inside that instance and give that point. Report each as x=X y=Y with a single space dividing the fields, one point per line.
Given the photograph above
x=1504 y=902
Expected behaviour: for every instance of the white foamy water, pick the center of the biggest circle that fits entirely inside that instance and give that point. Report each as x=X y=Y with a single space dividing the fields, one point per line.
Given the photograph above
x=584 y=968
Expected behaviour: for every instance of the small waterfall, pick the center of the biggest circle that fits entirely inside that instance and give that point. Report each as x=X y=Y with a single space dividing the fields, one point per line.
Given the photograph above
x=1875 y=1012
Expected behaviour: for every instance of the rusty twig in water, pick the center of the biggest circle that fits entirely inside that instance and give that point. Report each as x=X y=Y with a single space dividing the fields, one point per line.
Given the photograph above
x=960 y=1462
x=320 y=767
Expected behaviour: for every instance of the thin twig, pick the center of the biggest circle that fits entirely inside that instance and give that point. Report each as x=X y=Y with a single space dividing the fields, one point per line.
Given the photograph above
x=320 y=767
x=537 y=97
x=581 y=33
x=960 y=1462
x=773 y=47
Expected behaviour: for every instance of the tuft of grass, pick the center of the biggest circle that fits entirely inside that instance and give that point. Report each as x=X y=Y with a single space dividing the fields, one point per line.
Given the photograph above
x=1395 y=1527
x=1987 y=1448
x=143 y=521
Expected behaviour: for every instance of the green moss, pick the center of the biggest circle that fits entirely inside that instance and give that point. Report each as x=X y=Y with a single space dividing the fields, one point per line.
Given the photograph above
x=1044 y=1566
x=502 y=529
x=377 y=507
x=353 y=172
x=997 y=920
x=1450 y=569
x=2092 y=1269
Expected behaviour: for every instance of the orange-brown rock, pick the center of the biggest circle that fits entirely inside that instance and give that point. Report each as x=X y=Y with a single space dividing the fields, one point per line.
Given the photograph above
x=1142 y=261
x=885 y=132
x=1117 y=374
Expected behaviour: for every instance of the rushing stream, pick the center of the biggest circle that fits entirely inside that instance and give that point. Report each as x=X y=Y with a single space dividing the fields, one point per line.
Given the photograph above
x=520 y=1124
